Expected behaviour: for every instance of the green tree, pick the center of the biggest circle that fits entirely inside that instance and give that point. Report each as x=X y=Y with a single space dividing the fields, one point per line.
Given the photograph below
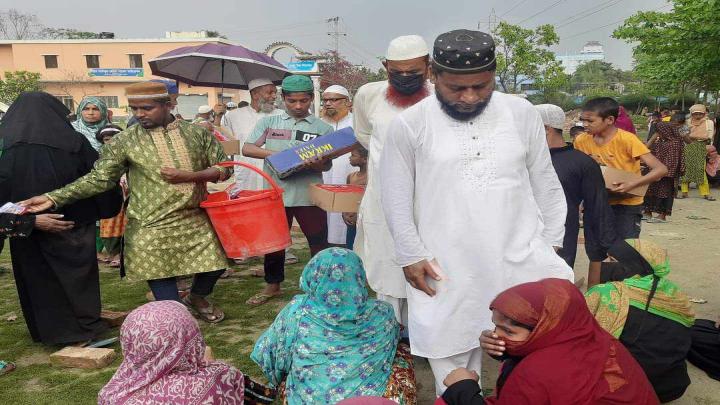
x=676 y=51
x=16 y=83
x=376 y=76
x=215 y=34
x=523 y=53
x=68 y=33
x=597 y=73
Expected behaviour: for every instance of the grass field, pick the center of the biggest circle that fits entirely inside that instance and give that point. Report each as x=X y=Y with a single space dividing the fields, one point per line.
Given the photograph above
x=37 y=382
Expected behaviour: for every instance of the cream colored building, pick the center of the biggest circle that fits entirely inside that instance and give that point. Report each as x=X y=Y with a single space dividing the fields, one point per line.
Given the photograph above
x=73 y=69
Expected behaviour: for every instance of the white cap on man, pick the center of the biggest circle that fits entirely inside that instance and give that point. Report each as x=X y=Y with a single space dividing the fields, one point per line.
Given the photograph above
x=255 y=83
x=204 y=109
x=337 y=89
x=407 y=47
x=552 y=115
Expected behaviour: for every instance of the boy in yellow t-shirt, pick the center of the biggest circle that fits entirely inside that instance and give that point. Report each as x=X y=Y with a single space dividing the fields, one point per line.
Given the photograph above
x=614 y=147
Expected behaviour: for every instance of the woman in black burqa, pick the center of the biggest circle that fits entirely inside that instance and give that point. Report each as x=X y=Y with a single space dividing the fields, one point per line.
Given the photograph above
x=56 y=273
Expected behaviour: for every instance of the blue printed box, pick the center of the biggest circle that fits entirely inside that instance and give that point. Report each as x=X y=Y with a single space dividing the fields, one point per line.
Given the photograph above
x=332 y=145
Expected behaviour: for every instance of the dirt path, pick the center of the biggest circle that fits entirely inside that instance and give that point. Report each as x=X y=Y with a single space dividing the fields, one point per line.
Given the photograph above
x=692 y=238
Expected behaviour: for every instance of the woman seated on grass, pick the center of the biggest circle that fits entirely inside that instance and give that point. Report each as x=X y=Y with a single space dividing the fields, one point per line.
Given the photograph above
x=333 y=342
x=554 y=353
x=164 y=363
x=647 y=312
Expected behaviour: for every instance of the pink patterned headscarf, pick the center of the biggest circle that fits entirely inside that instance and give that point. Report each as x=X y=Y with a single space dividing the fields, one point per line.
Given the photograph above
x=164 y=364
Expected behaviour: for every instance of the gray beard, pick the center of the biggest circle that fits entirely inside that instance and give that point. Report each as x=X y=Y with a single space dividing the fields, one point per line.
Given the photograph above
x=267 y=107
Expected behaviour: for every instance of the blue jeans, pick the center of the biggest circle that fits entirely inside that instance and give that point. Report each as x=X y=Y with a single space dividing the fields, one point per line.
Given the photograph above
x=165 y=289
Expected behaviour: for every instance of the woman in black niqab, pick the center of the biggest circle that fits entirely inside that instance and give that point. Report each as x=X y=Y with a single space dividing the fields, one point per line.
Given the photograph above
x=56 y=274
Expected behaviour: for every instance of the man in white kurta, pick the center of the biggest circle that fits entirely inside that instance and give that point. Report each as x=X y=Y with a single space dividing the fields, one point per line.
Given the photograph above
x=336 y=113
x=469 y=191
x=375 y=105
x=242 y=121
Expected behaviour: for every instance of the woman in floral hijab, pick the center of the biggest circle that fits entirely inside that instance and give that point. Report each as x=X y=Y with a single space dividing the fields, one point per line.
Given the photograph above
x=332 y=342
x=92 y=114
x=164 y=364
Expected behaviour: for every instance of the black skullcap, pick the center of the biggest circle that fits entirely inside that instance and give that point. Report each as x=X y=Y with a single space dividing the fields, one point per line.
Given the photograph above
x=464 y=51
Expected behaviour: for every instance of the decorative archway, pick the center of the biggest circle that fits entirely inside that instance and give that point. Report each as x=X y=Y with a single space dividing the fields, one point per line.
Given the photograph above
x=273 y=48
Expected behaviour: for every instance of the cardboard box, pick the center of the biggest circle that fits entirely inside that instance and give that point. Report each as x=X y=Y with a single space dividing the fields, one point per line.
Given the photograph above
x=290 y=161
x=231 y=147
x=82 y=357
x=336 y=197
x=612 y=175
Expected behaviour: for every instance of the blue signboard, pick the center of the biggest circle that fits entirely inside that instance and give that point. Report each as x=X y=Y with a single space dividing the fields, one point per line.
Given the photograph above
x=132 y=72
x=304 y=66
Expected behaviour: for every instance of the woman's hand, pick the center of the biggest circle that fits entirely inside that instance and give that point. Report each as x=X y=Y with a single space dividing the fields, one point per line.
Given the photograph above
x=460 y=374
x=491 y=343
x=52 y=223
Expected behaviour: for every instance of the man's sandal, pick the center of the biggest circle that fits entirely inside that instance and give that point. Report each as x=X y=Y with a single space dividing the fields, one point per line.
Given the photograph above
x=209 y=314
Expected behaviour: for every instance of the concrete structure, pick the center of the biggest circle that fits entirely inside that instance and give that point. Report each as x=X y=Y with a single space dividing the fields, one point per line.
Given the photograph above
x=73 y=69
x=592 y=50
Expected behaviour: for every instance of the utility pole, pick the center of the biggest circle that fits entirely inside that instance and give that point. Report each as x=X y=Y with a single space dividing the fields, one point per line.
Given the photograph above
x=492 y=20
x=335 y=33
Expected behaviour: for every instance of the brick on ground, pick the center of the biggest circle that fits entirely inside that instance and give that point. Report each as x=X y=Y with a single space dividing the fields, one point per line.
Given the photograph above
x=82 y=357
x=113 y=318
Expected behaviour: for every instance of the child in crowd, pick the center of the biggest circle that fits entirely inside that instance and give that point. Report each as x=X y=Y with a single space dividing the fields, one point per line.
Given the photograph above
x=613 y=147
x=112 y=230
x=359 y=159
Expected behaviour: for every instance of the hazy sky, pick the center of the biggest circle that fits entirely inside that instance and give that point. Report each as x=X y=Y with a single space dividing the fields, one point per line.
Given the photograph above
x=369 y=24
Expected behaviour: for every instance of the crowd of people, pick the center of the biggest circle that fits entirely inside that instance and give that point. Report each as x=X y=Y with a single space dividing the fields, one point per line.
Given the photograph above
x=467 y=234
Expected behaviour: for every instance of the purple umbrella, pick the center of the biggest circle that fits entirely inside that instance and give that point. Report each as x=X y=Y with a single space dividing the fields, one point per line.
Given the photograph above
x=217 y=65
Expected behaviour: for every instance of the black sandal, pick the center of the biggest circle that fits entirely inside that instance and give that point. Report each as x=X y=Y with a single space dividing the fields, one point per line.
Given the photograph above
x=207 y=313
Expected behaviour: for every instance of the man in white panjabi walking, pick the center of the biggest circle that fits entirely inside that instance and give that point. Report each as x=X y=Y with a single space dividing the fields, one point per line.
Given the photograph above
x=375 y=106
x=336 y=112
x=472 y=201
x=242 y=121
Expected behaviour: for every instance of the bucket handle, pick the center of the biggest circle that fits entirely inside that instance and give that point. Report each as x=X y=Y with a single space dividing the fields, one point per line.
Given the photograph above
x=269 y=179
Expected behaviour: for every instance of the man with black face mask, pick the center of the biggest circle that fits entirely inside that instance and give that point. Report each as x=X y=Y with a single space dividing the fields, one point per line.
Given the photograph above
x=375 y=105
x=472 y=201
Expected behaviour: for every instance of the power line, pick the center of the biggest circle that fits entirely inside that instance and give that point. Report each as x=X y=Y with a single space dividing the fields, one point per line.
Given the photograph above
x=607 y=25
x=594 y=29
x=518 y=4
x=585 y=13
x=541 y=11
x=359 y=47
x=278 y=27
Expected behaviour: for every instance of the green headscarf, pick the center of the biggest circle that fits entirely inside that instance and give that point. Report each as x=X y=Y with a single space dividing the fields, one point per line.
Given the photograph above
x=88 y=129
x=610 y=301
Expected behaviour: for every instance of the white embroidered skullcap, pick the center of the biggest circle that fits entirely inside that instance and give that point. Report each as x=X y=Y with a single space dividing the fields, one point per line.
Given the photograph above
x=406 y=47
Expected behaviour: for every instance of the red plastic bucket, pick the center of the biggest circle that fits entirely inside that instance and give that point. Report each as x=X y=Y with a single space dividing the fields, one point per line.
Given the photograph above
x=252 y=224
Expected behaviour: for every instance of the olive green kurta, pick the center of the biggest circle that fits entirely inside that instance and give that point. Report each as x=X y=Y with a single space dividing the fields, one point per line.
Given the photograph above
x=167 y=233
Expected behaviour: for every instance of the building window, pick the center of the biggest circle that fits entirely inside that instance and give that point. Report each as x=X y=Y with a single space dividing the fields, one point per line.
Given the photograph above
x=92 y=61
x=68 y=101
x=136 y=60
x=110 y=101
x=50 y=61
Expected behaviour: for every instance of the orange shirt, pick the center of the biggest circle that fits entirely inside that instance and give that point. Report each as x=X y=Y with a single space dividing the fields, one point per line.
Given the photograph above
x=622 y=152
